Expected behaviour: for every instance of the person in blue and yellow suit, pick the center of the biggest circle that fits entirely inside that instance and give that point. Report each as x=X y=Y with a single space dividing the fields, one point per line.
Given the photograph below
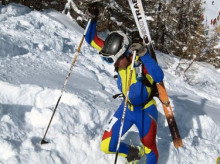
x=141 y=110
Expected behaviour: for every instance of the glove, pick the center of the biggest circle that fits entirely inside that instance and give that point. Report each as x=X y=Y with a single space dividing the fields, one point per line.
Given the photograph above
x=140 y=49
x=93 y=11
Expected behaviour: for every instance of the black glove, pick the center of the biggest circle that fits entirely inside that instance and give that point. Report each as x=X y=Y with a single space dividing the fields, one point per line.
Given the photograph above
x=140 y=49
x=93 y=11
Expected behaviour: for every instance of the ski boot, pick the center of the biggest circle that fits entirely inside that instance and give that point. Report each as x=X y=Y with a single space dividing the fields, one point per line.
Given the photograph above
x=134 y=155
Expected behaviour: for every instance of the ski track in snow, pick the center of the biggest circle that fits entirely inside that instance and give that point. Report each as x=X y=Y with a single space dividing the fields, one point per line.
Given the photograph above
x=36 y=52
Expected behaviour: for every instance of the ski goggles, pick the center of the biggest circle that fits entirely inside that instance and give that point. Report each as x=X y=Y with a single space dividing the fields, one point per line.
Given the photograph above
x=110 y=59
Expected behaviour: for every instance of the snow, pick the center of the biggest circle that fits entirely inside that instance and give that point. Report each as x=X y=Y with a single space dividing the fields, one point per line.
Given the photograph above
x=211 y=10
x=36 y=51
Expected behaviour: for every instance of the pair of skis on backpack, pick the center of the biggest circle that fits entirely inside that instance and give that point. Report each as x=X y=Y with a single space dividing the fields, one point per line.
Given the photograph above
x=140 y=19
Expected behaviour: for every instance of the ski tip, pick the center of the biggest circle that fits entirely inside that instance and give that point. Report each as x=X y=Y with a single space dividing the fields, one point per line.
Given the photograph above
x=178 y=143
x=44 y=142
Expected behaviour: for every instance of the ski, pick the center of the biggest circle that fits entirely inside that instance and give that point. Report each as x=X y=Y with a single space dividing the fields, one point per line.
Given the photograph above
x=141 y=22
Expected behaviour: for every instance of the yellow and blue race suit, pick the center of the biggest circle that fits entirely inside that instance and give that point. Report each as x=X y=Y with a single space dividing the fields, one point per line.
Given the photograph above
x=140 y=111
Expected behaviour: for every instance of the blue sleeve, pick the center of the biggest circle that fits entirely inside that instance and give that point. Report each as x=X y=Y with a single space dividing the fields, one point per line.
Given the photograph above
x=90 y=34
x=153 y=68
x=92 y=37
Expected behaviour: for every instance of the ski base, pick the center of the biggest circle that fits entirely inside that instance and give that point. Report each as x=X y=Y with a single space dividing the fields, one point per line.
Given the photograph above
x=169 y=115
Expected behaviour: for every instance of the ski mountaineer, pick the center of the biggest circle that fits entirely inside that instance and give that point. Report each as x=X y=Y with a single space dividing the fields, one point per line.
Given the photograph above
x=141 y=110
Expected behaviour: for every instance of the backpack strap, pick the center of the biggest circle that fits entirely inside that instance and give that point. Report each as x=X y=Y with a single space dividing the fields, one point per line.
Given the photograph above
x=147 y=83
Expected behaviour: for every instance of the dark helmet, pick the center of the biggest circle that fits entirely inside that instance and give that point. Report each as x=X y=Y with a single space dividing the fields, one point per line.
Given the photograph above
x=115 y=46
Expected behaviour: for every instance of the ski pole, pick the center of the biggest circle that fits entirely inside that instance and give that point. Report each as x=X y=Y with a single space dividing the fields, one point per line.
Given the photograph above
x=67 y=77
x=125 y=106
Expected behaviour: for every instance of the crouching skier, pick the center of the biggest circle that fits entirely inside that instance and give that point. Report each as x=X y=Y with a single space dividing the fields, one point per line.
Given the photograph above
x=141 y=109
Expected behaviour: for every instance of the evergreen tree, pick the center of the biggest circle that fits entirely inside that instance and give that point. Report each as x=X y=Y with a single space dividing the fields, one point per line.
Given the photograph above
x=178 y=28
x=175 y=25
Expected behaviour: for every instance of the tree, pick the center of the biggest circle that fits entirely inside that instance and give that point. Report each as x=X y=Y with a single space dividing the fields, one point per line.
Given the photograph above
x=176 y=26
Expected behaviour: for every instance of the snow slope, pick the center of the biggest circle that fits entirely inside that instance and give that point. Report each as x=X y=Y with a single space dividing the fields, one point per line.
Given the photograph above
x=36 y=51
x=211 y=10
